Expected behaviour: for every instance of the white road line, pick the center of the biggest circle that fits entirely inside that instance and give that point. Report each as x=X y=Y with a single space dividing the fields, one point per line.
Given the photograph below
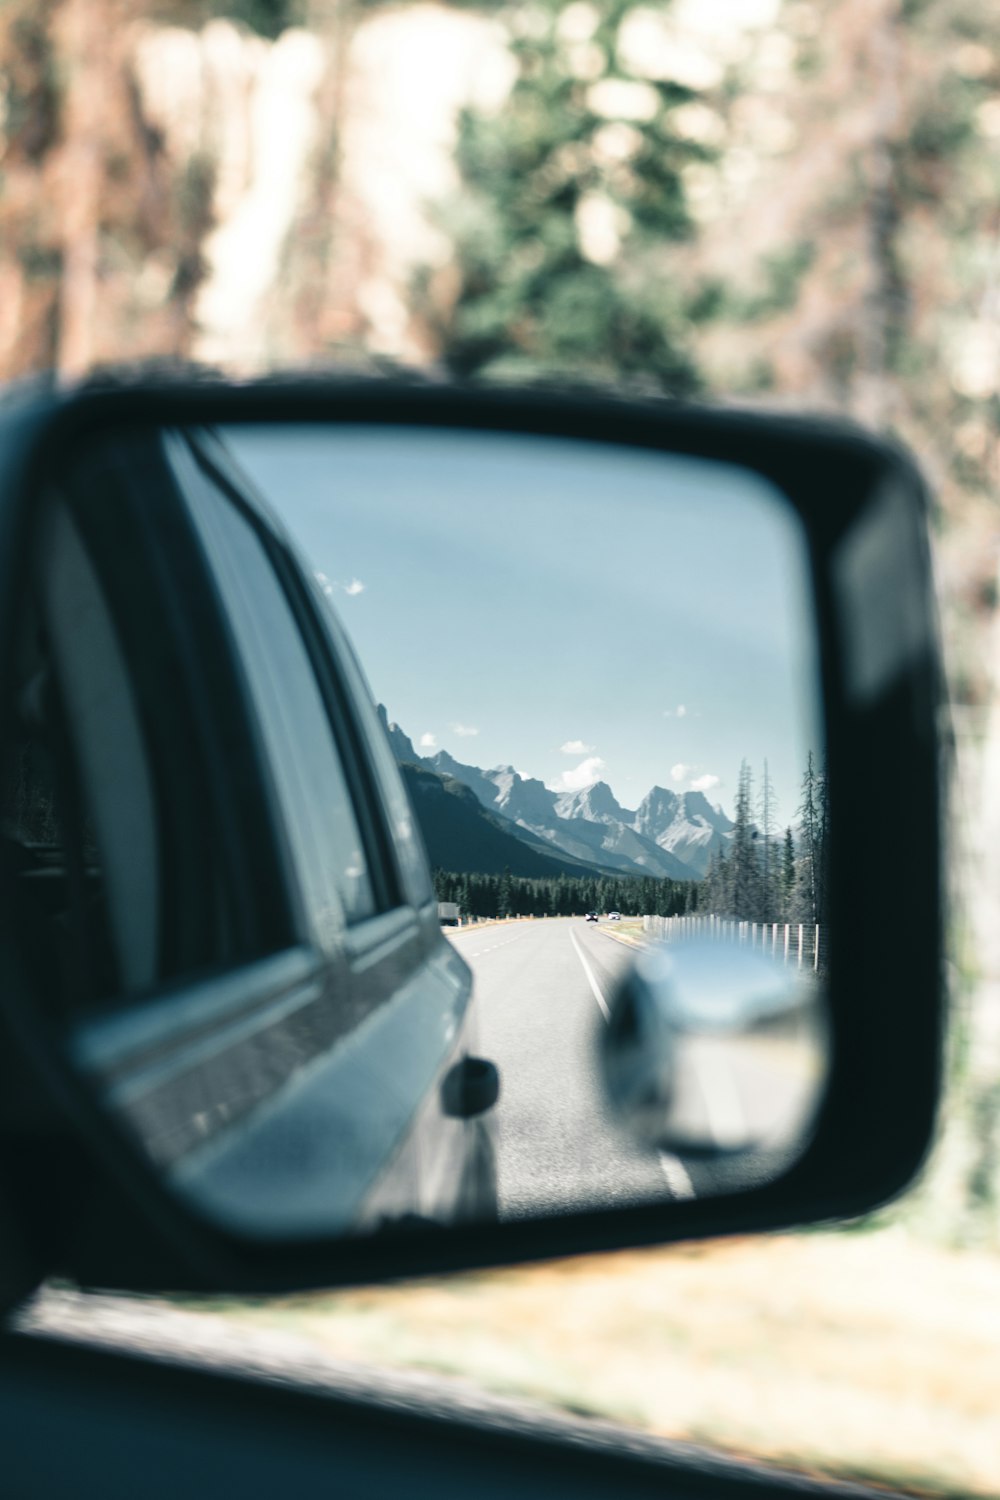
x=491 y=949
x=672 y=1167
x=675 y=1172
x=598 y=996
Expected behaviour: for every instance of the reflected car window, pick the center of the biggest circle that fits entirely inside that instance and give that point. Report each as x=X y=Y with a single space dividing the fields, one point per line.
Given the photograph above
x=308 y=776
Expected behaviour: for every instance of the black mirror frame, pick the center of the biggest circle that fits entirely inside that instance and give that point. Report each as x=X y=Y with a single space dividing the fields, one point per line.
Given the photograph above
x=887 y=1005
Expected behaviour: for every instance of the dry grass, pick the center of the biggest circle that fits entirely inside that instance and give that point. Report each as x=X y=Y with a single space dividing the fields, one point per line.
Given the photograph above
x=864 y=1355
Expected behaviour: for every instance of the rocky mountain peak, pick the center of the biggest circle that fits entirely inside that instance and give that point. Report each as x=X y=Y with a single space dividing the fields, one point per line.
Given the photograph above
x=696 y=806
x=596 y=802
x=402 y=745
x=671 y=833
x=521 y=797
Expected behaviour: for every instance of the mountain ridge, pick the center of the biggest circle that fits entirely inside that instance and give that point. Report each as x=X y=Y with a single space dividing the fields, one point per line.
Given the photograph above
x=670 y=835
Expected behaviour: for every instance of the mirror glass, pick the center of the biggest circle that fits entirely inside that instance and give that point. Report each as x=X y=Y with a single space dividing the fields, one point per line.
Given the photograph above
x=535 y=923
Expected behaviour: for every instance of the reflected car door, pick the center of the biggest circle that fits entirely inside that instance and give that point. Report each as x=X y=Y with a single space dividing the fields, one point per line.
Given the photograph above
x=328 y=1044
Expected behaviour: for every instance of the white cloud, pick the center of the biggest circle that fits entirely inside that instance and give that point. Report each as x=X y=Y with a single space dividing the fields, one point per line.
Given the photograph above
x=680 y=772
x=705 y=783
x=328 y=585
x=464 y=731
x=583 y=775
x=575 y=747
x=428 y=741
x=681 y=711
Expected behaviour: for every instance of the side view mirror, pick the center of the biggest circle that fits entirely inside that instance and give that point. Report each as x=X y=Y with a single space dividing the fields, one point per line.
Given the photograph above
x=713 y=1047
x=577 y=943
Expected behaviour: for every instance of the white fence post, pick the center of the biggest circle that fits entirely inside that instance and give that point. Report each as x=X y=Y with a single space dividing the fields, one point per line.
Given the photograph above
x=794 y=941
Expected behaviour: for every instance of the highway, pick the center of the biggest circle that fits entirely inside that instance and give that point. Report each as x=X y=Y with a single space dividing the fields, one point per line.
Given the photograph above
x=542 y=993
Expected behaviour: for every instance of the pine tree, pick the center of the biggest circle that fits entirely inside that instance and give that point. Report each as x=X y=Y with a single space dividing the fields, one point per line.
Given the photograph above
x=769 y=896
x=809 y=885
x=744 y=869
x=788 y=877
x=822 y=842
x=572 y=196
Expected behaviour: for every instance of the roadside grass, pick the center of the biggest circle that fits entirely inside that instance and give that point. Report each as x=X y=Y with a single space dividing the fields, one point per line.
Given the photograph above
x=870 y=1356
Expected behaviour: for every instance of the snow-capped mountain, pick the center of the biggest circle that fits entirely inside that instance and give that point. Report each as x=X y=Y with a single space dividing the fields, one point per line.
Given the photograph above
x=523 y=799
x=685 y=823
x=589 y=829
x=596 y=802
x=671 y=834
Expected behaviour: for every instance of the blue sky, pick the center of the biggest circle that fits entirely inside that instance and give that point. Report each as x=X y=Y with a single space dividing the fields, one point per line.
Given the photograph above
x=575 y=610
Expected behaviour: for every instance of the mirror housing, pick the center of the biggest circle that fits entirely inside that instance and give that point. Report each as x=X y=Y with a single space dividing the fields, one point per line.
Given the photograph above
x=863 y=508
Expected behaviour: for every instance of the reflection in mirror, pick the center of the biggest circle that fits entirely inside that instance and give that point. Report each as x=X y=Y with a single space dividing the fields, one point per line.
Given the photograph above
x=713 y=1047
x=596 y=674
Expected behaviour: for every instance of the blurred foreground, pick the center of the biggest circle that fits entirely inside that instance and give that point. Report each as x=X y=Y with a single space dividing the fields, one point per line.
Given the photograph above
x=862 y=1356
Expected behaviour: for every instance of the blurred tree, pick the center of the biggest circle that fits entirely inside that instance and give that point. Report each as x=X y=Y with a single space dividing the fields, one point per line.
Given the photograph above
x=572 y=197
x=848 y=246
x=101 y=233
x=267 y=17
x=30 y=249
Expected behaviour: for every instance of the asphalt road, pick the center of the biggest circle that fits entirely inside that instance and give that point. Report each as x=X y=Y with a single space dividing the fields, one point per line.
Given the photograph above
x=541 y=989
x=542 y=993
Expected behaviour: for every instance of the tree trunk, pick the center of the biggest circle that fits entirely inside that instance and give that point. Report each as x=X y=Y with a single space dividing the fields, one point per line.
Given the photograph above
x=885 y=304
x=84 y=40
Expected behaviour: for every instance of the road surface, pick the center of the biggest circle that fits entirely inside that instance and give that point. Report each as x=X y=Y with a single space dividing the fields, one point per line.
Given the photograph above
x=543 y=990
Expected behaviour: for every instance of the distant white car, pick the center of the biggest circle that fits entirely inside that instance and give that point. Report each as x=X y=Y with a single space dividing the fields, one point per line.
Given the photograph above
x=614 y=916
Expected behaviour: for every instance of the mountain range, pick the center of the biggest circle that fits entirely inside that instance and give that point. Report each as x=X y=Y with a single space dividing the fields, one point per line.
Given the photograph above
x=519 y=821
